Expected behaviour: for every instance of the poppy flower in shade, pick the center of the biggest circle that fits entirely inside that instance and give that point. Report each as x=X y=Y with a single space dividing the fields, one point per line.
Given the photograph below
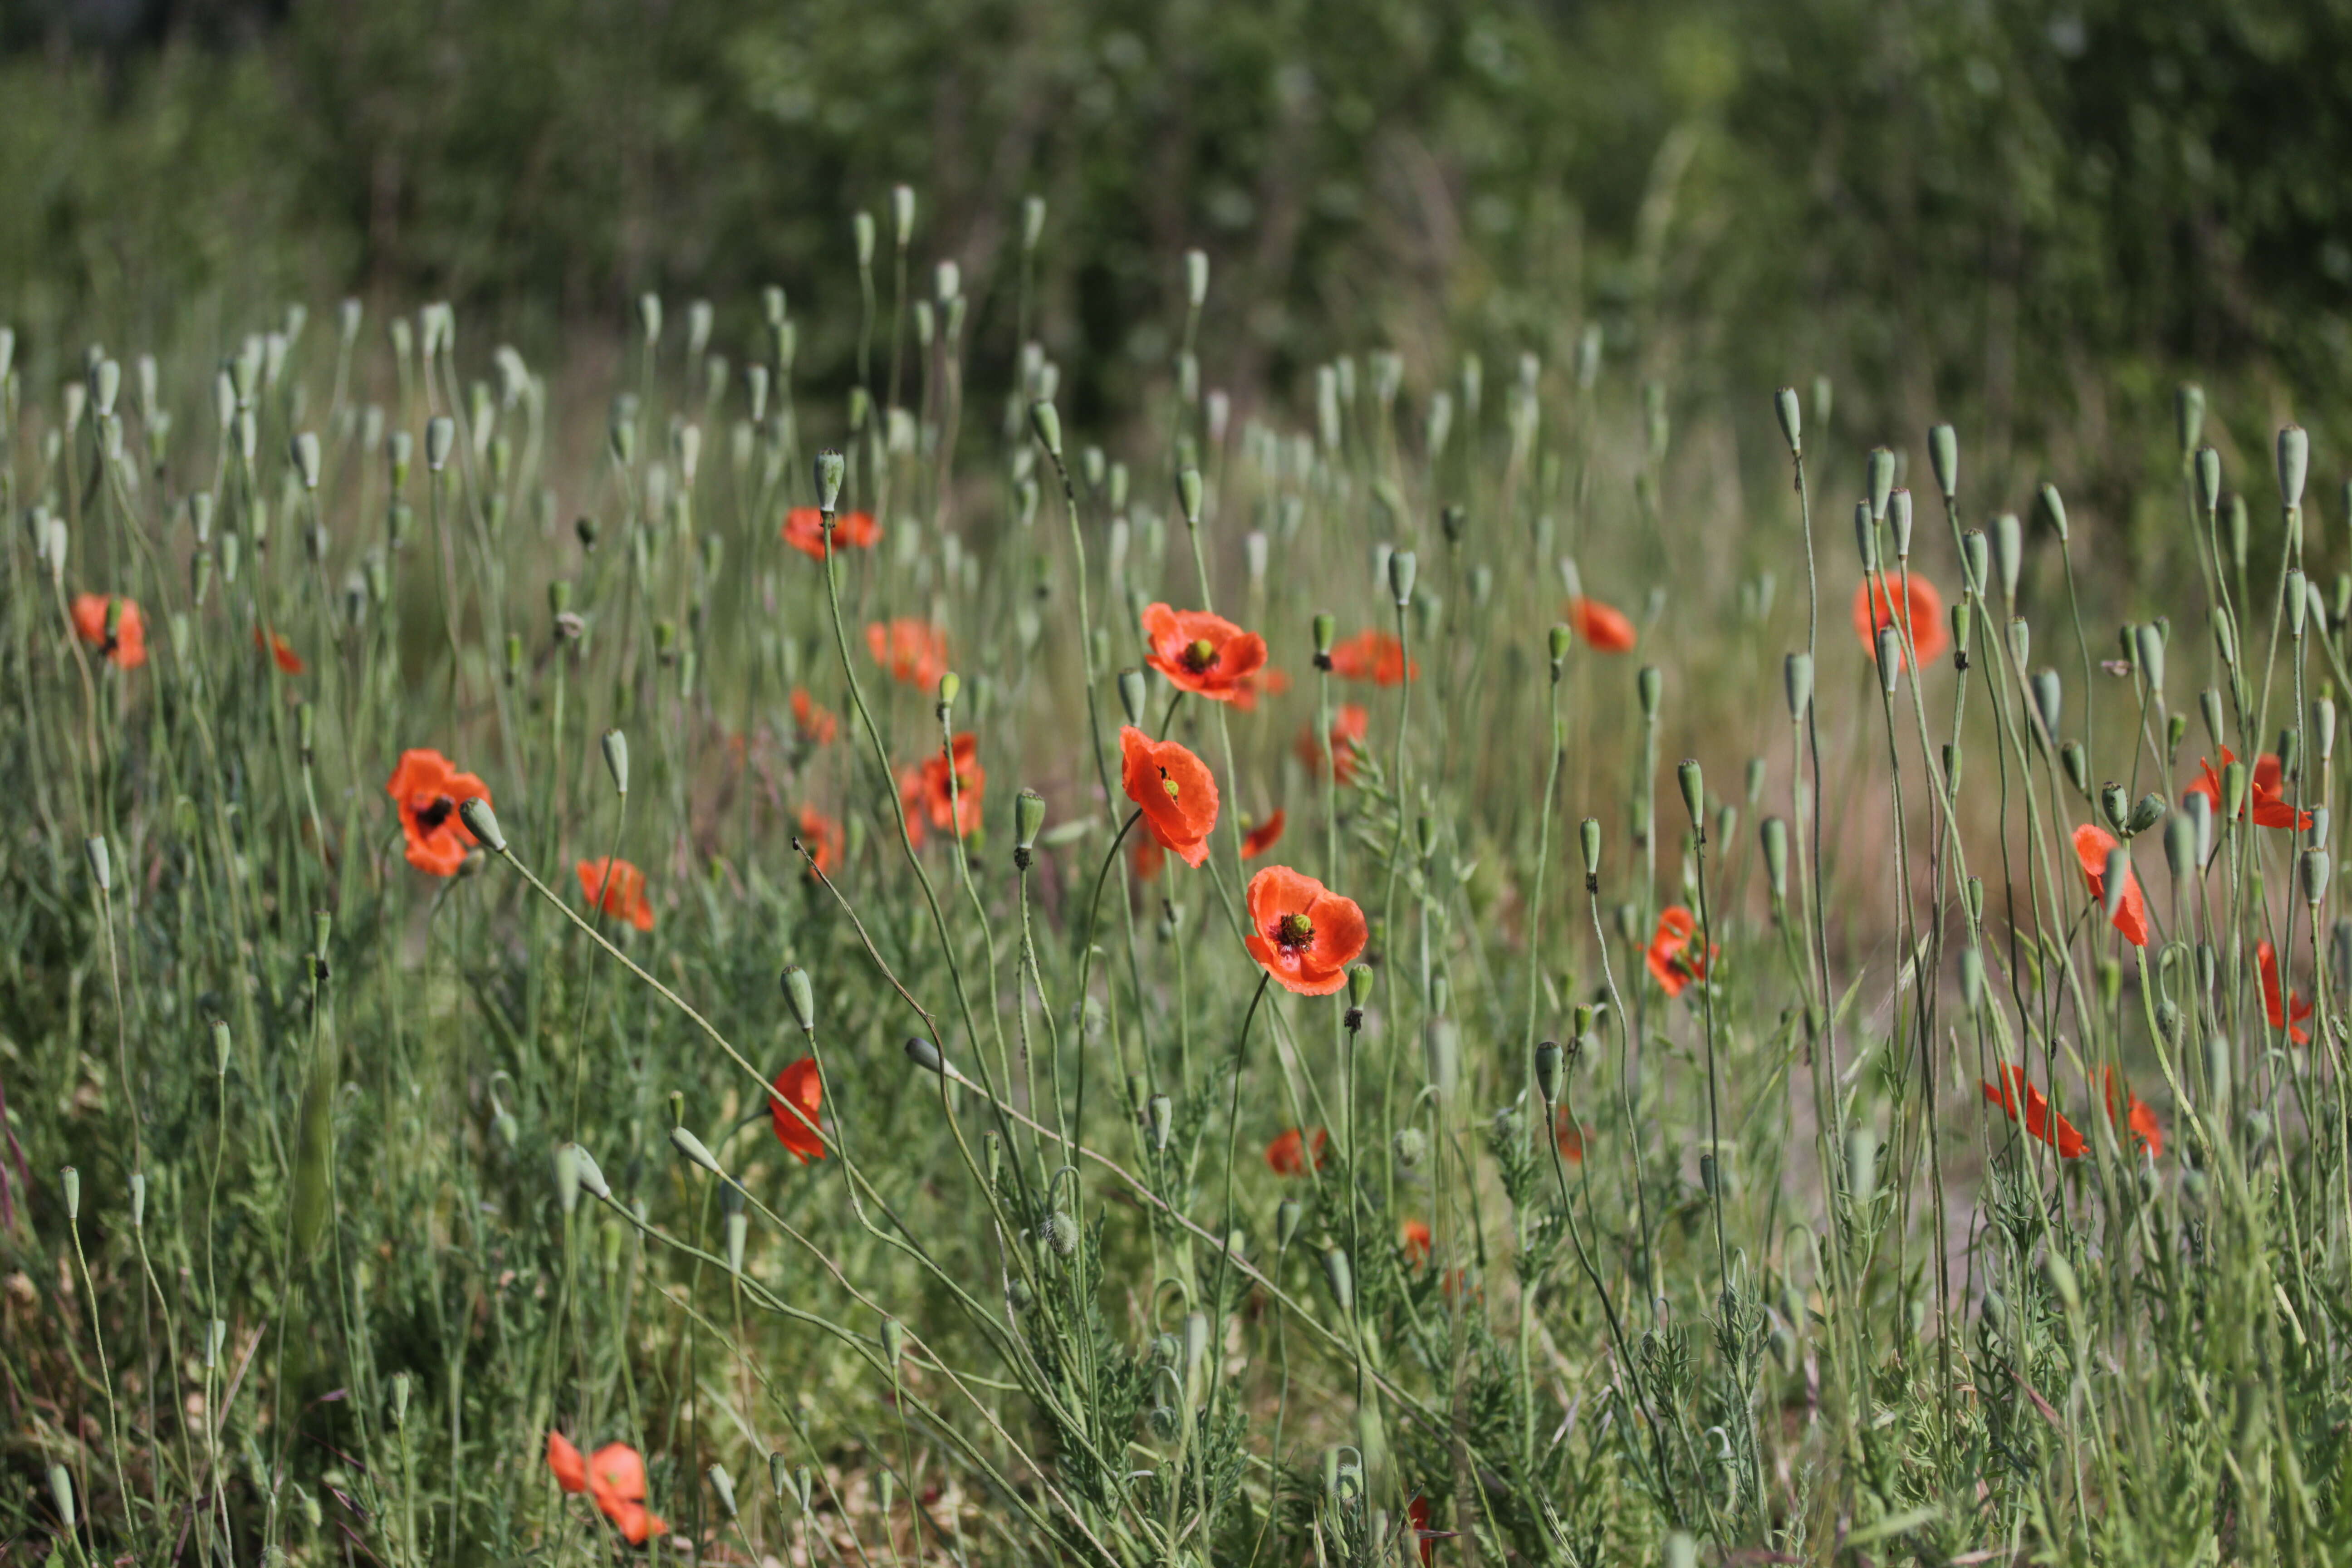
x=1416 y=1519
x=1569 y=1137
x=1672 y=961
x=2137 y=1116
x=1348 y=728
x=2266 y=791
x=428 y=789
x=822 y=837
x=2287 y=1013
x=1270 y=682
x=570 y=1465
x=1603 y=626
x=805 y=530
x=1287 y=1155
x=941 y=796
x=616 y=1484
x=1922 y=617
x=914 y=652
x=1204 y=654
x=1301 y=932
x=618 y=888
x=800 y=1094
x=815 y=724
x=1262 y=838
x=1174 y=791
x=2039 y=1120
x=2091 y=847
x=1374 y=656
x=127 y=648
x=1413 y=1239
x=279 y=649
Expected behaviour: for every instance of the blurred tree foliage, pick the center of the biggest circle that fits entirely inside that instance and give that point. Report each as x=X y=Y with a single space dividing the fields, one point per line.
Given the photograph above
x=1982 y=198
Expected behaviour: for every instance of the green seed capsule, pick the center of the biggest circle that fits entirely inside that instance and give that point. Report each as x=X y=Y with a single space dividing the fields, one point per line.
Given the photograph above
x=2146 y=812
x=2313 y=868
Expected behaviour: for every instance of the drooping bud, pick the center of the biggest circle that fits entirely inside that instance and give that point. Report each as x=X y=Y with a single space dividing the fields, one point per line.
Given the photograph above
x=2076 y=764
x=801 y=997
x=694 y=1150
x=590 y=1175
x=1785 y=404
x=1133 y=695
x=1046 y=421
x=2054 y=507
x=482 y=823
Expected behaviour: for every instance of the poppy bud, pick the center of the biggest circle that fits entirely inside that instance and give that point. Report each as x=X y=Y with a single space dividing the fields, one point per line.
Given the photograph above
x=2237 y=531
x=1694 y=787
x=2294 y=464
x=1548 y=1059
x=723 y=1485
x=2062 y=1280
x=482 y=823
x=1963 y=619
x=1975 y=561
x=1588 y=833
x=2188 y=416
x=61 y=1492
x=1944 y=456
x=1862 y=1163
x=1286 y=1218
x=1047 y=423
x=1188 y=494
x=2048 y=696
x=1785 y=404
x=2054 y=507
x=71 y=1179
x=2008 y=553
x=687 y=1144
x=649 y=316
x=1060 y=1231
x=831 y=468
x=2181 y=845
x=1132 y=696
x=1648 y=686
x=1890 y=658
x=902 y=214
x=1972 y=979
x=2077 y=766
x=894 y=1342
x=2323 y=729
x=925 y=1055
x=2115 y=805
x=1774 y=832
x=2148 y=813
x=1033 y=223
x=101 y=864
x=1880 y=467
x=2313 y=868
x=1341 y=1277
x=2147 y=650
x=1898 y=523
x=2209 y=704
x=1453 y=522
x=2176 y=729
x=1797 y=683
x=1866 y=537
x=2208 y=466
x=220 y=1048
x=2233 y=788
x=440 y=438
x=951 y=688
x=2114 y=881
x=1161 y=1113
x=589 y=1174
x=1402 y=571
x=1410 y=1145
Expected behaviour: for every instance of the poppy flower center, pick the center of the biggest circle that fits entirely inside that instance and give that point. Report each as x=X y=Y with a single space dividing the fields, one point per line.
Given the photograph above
x=1294 y=930
x=431 y=818
x=1175 y=791
x=1200 y=654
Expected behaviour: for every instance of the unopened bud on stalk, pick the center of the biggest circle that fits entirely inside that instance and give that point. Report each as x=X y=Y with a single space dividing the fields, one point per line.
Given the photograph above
x=2233 y=789
x=1160 y=1114
x=2008 y=553
x=902 y=214
x=1028 y=819
x=1402 y=568
x=2323 y=729
x=2054 y=507
x=1972 y=979
x=2236 y=525
x=2312 y=870
x=1561 y=638
x=1963 y=619
x=925 y=1055
x=482 y=823
x=2180 y=846
x=1862 y=1163
x=723 y=1485
x=61 y=1494
x=1649 y=684
x=1046 y=421
x=830 y=470
x=1188 y=494
x=2225 y=637
x=1944 y=456
x=1898 y=523
x=616 y=759
x=220 y=1048
x=693 y=1148
x=2294 y=464
x=2209 y=704
x=2048 y=697
x=2115 y=805
x=2148 y=653
x=1588 y=833
x=1774 y=832
x=2188 y=416
x=2116 y=880
x=1133 y=695
x=1693 y=788
x=1976 y=562
x=70 y=1179
x=2208 y=479
x=1890 y=658
x=1791 y=416
x=1865 y=536
x=1797 y=683
x=101 y=863
x=1949 y=753
x=1286 y=1218
x=2145 y=814
x=1342 y=1279
x=801 y=997
x=1880 y=467
x=440 y=440
x=2076 y=764
x=590 y=1175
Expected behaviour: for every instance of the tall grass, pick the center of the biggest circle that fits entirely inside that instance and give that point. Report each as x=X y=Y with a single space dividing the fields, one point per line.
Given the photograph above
x=1743 y=1157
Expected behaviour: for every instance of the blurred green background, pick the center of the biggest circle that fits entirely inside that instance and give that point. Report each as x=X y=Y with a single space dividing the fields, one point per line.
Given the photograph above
x=2037 y=210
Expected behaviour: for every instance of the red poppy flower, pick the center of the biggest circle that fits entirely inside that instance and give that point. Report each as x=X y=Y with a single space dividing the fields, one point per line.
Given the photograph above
x=823 y=837
x=1922 y=617
x=279 y=649
x=1173 y=789
x=428 y=790
x=1287 y=1155
x=1201 y=653
x=914 y=652
x=1416 y=1519
x=1603 y=626
x=1569 y=1137
x=805 y=530
x=2091 y=845
x=1301 y=932
x=616 y=1484
x=571 y=1466
x=618 y=888
x=2266 y=790
x=127 y=648
x=1262 y=838
x=1374 y=656
x=1348 y=728
x=1413 y=1238
x=2039 y=1117
x=2137 y=1116
x=1671 y=960
x=942 y=796
x=2286 y=1015
x=800 y=1094
x=815 y=724
x=1269 y=680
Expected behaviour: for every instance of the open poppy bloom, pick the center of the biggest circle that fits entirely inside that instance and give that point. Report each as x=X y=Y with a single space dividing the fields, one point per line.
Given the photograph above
x=1262 y=838
x=617 y=1485
x=1922 y=618
x=1603 y=626
x=815 y=724
x=1672 y=961
x=2267 y=803
x=1301 y=932
x=278 y=649
x=1287 y=1155
x=2039 y=1120
x=2287 y=1013
x=805 y=530
x=945 y=796
x=618 y=888
x=428 y=788
x=2092 y=846
x=126 y=648
x=1201 y=653
x=1348 y=728
x=822 y=837
x=1413 y=1239
x=1374 y=656
x=570 y=1465
x=800 y=1093
x=1269 y=680
x=1569 y=1137
x=914 y=652
x=1174 y=791
x=2138 y=1117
